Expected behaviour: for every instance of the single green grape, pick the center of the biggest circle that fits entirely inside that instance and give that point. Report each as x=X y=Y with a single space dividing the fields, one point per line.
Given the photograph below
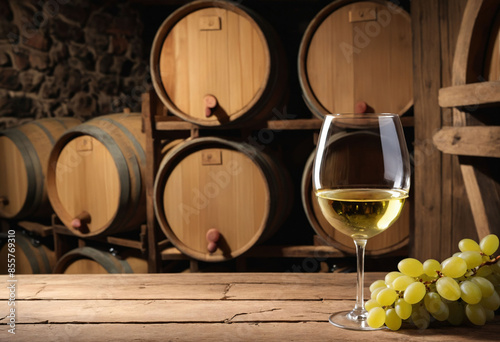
x=489 y=244
x=403 y=309
x=420 y=317
x=390 y=277
x=414 y=293
x=484 y=284
x=456 y=313
x=475 y=313
x=392 y=320
x=494 y=279
x=492 y=302
x=484 y=271
x=375 y=292
x=490 y=315
x=431 y=267
x=432 y=302
x=401 y=283
x=472 y=258
x=448 y=288
x=386 y=297
x=471 y=292
x=371 y=303
x=376 y=284
x=495 y=268
x=468 y=245
x=442 y=313
x=376 y=317
x=454 y=267
x=411 y=267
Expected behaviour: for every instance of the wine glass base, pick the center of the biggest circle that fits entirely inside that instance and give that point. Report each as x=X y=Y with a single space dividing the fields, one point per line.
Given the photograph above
x=351 y=321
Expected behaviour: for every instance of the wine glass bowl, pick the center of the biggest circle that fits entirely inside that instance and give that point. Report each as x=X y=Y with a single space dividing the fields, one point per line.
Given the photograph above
x=361 y=177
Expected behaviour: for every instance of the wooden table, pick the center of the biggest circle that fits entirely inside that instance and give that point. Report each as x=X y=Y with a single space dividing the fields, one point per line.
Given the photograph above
x=198 y=307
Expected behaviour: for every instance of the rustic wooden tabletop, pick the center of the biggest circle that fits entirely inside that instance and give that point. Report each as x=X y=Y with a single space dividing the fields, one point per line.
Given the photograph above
x=197 y=307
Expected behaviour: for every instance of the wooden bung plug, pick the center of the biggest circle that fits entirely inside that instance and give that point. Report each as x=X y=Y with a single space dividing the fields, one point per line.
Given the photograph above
x=209 y=102
x=81 y=220
x=360 y=107
x=4 y=200
x=213 y=235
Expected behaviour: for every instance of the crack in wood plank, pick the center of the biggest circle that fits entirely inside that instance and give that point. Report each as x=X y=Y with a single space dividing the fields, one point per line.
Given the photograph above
x=230 y=320
x=37 y=292
x=226 y=290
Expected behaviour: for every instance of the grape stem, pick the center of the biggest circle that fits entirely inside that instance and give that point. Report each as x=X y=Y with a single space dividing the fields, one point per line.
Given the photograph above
x=491 y=262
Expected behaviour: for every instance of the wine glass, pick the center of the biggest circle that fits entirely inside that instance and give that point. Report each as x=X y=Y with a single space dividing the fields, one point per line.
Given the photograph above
x=361 y=177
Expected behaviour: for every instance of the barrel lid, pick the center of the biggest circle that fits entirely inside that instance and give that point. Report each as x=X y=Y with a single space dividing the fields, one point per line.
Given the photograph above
x=13 y=178
x=87 y=180
x=212 y=187
x=212 y=49
x=357 y=52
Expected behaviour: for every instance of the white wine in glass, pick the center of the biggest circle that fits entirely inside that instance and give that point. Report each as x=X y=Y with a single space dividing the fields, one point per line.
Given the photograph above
x=361 y=177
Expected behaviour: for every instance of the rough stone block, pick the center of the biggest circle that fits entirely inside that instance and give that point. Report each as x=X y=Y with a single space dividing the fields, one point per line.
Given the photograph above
x=9 y=79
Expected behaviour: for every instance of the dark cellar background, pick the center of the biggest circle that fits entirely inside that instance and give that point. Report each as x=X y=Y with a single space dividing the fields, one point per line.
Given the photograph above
x=86 y=58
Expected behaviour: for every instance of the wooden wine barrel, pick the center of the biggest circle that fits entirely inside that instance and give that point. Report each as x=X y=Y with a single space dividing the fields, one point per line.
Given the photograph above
x=95 y=178
x=31 y=257
x=474 y=96
x=393 y=239
x=217 y=63
x=216 y=198
x=356 y=56
x=88 y=260
x=24 y=152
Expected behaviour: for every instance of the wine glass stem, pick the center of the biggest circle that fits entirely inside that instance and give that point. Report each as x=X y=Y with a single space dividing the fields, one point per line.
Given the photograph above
x=360 y=281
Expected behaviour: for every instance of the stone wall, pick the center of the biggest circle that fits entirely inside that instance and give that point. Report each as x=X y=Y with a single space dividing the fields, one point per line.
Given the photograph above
x=78 y=58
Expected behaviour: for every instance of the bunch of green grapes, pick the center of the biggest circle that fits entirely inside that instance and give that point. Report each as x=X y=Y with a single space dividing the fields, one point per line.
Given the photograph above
x=466 y=285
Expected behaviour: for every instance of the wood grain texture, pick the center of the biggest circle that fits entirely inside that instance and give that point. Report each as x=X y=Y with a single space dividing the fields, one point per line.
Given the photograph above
x=88 y=260
x=425 y=24
x=25 y=156
x=343 y=61
x=30 y=257
x=199 y=197
x=93 y=185
x=164 y=124
x=222 y=50
x=478 y=32
x=442 y=212
x=98 y=168
x=152 y=149
x=13 y=178
x=492 y=61
x=201 y=307
x=192 y=63
x=245 y=331
x=480 y=141
x=456 y=216
x=470 y=94
x=213 y=183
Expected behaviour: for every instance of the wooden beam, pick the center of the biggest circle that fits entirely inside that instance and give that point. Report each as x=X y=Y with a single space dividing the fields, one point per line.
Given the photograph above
x=426 y=84
x=470 y=94
x=36 y=228
x=149 y=105
x=173 y=124
x=480 y=141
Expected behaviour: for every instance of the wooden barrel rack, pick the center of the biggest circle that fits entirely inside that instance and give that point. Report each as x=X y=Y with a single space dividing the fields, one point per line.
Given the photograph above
x=167 y=116
x=160 y=126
